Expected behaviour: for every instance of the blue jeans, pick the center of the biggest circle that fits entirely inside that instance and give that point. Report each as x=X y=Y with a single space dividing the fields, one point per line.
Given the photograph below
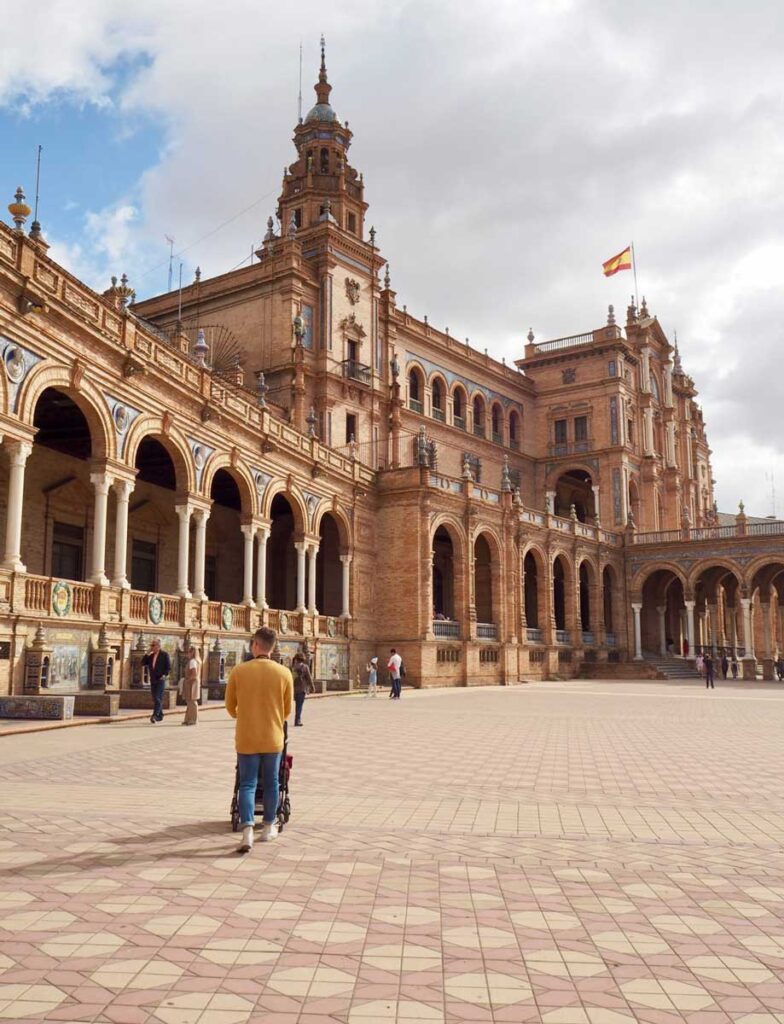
x=299 y=700
x=249 y=765
x=157 y=690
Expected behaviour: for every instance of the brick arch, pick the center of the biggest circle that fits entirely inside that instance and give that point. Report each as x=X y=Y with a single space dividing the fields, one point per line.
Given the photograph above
x=341 y=521
x=760 y=563
x=639 y=579
x=586 y=559
x=453 y=526
x=726 y=564
x=555 y=474
x=494 y=540
x=86 y=396
x=173 y=440
x=240 y=473
x=294 y=498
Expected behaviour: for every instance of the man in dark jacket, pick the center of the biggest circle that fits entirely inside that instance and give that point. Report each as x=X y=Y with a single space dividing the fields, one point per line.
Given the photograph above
x=158 y=666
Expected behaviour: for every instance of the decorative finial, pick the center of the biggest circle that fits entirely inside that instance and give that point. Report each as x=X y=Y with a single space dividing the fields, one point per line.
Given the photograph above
x=394 y=367
x=352 y=448
x=467 y=342
x=292 y=232
x=372 y=234
x=425 y=319
x=197 y=275
x=467 y=474
x=517 y=498
x=201 y=348
x=39 y=640
x=611 y=316
x=36 y=234
x=506 y=480
x=270 y=235
x=262 y=387
x=120 y=294
x=573 y=512
x=631 y=311
x=386 y=278
x=530 y=335
x=421 y=447
x=644 y=309
x=446 y=330
x=19 y=209
x=741 y=507
x=103 y=638
x=311 y=421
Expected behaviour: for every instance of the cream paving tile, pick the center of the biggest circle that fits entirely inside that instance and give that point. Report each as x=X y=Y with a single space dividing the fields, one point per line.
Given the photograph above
x=686 y=924
x=37 y=921
x=271 y=910
x=480 y=938
x=408 y=1011
x=639 y=943
x=181 y=924
x=488 y=988
x=406 y=956
x=322 y=981
x=729 y=968
x=329 y=932
x=545 y=921
x=137 y=974
x=73 y=944
x=564 y=963
x=242 y=952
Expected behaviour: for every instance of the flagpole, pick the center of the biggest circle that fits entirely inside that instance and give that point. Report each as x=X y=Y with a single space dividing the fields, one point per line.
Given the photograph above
x=634 y=268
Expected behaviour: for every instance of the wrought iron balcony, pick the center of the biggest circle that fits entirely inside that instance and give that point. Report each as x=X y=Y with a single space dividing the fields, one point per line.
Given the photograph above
x=589 y=639
x=479 y=430
x=534 y=636
x=562 y=636
x=446 y=629
x=356 y=371
x=439 y=414
x=610 y=639
x=415 y=406
x=459 y=422
x=498 y=438
x=486 y=631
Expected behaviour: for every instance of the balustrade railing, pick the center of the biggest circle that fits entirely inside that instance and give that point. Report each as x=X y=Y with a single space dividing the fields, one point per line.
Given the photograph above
x=558 y=343
x=589 y=638
x=459 y=422
x=38 y=594
x=486 y=631
x=610 y=640
x=534 y=635
x=439 y=414
x=446 y=629
x=415 y=406
x=562 y=636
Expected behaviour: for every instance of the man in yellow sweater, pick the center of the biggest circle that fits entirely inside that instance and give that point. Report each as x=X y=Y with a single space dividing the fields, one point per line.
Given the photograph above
x=259 y=696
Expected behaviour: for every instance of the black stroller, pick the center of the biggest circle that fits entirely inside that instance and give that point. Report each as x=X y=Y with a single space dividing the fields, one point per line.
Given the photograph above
x=284 y=804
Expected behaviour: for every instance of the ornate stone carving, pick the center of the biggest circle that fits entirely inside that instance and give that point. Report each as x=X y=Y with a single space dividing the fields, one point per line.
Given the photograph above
x=352 y=290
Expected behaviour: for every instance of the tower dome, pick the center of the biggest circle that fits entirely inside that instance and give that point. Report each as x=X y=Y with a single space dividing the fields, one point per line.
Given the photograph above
x=322 y=111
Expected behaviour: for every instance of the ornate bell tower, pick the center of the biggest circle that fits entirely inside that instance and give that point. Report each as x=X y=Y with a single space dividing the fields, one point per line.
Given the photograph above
x=321 y=186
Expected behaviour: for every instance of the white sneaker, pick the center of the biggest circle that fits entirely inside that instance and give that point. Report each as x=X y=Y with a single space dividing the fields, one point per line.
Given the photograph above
x=269 y=831
x=247 y=840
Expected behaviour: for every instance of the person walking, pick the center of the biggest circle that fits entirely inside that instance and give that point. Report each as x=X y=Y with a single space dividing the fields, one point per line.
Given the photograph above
x=393 y=665
x=734 y=667
x=259 y=695
x=303 y=684
x=372 y=670
x=708 y=661
x=191 y=687
x=699 y=664
x=158 y=665
x=725 y=666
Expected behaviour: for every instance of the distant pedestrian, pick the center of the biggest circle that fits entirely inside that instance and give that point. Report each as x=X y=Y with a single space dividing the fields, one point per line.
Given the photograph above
x=372 y=671
x=708 y=662
x=191 y=687
x=734 y=667
x=393 y=665
x=158 y=666
x=780 y=668
x=725 y=666
x=303 y=685
x=699 y=664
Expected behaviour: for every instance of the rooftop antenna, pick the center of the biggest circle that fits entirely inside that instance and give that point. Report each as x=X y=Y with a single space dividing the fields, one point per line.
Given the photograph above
x=771 y=477
x=299 y=97
x=179 y=301
x=37 y=183
x=170 y=240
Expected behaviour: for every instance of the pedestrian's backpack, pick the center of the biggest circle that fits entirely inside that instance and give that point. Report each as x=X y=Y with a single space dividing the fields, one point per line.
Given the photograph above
x=402 y=670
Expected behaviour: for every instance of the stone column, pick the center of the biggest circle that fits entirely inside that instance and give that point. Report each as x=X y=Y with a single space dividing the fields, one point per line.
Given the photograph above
x=662 y=610
x=780 y=646
x=184 y=515
x=18 y=454
x=346 y=563
x=734 y=628
x=671 y=460
x=748 y=635
x=637 y=609
x=765 y=610
x=248 y=533
x=101 y=482
x=596 y=511
x=262 y=534
x=312 y=553
x=690 y=626
x=123 y=490
x=201 y=517
x=713 y=621
x=300 y=547
x=647 y=423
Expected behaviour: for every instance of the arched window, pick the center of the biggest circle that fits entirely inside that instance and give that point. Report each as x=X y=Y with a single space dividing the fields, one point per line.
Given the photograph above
x=459 y=408
x=438 y=400
x=324 y=161
x=479 y=416
x=654 y=386
x=514 y=430
x=495 y=424
x=415 y=391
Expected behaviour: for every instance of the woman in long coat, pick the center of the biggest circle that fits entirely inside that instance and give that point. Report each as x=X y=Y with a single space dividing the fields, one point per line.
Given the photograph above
x=191 y=687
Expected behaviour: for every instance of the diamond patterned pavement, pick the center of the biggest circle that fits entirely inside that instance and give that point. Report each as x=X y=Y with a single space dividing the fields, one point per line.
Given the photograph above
x=581 y=853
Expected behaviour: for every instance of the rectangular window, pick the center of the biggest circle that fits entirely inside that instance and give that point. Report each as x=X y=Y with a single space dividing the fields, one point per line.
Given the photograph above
x=298 y=217
x=68 y=551
x=351 y=223
x=144 y=565
x=351 y=427
x=613 y=420
x=560 y=431
x=630 y=431
x=581 y=428
x=612 y=368
x=307 y=316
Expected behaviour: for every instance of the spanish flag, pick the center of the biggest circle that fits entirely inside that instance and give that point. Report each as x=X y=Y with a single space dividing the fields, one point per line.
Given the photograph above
x=623 y=261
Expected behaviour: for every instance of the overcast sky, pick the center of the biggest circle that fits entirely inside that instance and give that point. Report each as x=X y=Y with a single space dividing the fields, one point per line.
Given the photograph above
x=508 y=148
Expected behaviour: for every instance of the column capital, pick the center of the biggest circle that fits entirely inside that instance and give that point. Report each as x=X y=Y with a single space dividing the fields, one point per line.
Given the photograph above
x=200 y=514
x=248 y=530
x=18 y=451
x=263 y=531
x=637 y=606
x=313 y=548
x=661 y=609
x=346 y=559
x=184 y=512
x=689 y=603
x=101 y=481
x=301 y=546
x=123 y=487
x=745 y=602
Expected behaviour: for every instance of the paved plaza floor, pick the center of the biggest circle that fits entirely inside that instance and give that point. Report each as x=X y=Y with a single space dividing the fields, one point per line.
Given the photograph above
x=573 y=853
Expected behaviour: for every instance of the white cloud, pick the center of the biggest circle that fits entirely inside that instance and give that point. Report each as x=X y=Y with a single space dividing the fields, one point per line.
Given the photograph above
x=507 y=149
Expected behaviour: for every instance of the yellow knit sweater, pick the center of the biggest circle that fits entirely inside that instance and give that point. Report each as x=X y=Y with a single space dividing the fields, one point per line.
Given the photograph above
x=259 y=695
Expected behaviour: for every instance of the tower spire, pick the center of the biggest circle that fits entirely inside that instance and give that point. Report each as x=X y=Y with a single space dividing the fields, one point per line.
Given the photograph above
x=323 y=88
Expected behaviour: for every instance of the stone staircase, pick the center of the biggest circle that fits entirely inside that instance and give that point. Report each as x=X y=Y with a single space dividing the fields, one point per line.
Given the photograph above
x=670 y=668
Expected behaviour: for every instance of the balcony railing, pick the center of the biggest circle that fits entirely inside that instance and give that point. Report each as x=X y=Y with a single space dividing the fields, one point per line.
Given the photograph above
x=498 y=438
x=589 y=638
x=486 y=631
x=415 y=406
x=559 y=343
x=356 y=371
x=562 y=636
x=479 y=430
x=459 y=422
x=610 y=639
x=446 y=629
x=572 y=447
x=439 y=414
x=534 y=636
